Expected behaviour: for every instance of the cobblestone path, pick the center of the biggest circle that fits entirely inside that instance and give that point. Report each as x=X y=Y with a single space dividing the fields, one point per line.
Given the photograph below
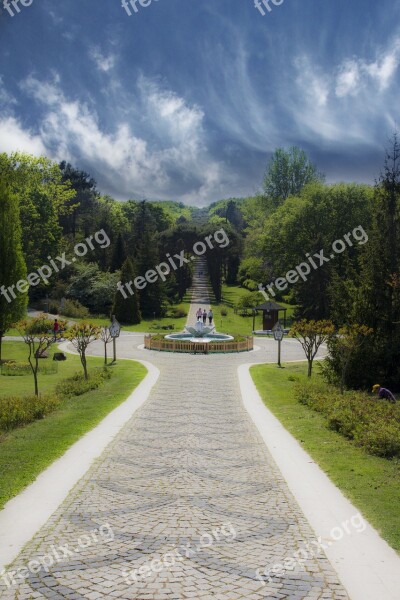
x=185 y=503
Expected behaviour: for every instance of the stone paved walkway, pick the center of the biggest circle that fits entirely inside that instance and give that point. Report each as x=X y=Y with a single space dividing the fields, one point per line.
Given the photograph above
x=188 y=481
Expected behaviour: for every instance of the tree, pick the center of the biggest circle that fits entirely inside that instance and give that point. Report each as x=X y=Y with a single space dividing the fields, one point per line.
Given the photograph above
x=12 y=262
x=309 y=224
x=43 y=199
x=344 y=345
x=83 y=204
x=127 y=310
x=377 y=297
x=38 y=335
x=81 y=335
x=311 y=334
x=288 y=171
x=106 y=338
x=145 y=250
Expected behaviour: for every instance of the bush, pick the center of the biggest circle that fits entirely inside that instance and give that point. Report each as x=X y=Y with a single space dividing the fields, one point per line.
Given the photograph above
x=78 y=385
x=15 y=369
x=224 y=312
x=74 y=309
x=17 y=411
x=372 y=424
x=177 y=313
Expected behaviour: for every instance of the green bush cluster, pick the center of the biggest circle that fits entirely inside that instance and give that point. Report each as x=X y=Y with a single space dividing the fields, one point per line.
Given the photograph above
x=78 y=385
x=74 y=309
x=177 y=313
x=372 y=424
x=16 y=411
x=15 y=369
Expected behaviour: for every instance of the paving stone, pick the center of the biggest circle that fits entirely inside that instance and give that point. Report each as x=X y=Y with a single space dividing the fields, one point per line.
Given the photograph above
x=190 y=461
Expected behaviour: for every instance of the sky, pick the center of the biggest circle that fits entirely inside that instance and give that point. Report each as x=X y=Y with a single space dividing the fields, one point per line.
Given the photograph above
x=186 y=100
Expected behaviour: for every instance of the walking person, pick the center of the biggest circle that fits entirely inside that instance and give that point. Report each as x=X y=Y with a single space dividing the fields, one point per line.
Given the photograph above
x=56 y=328
x=199 y=314
x=204 y=316
x=210 y=316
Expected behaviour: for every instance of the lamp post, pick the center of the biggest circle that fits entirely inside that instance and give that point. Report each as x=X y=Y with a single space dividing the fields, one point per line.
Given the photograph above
x=277 y=330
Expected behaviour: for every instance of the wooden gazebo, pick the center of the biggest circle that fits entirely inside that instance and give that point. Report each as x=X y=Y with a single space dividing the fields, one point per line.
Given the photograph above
x=270 y=311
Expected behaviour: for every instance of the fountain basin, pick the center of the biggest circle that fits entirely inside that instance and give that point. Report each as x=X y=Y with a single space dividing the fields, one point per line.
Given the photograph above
x=211 y=343
x=209 y=337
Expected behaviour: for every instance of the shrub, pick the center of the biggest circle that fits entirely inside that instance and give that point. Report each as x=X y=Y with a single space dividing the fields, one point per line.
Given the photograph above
x=78 y=385
x=15 y=369
x=372 y=424
x=177 y=313
x=16 y=411
x=74 y=309
x=224 y=312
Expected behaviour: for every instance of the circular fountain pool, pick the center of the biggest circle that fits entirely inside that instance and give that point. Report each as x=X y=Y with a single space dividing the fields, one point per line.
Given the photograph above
x=209 y=337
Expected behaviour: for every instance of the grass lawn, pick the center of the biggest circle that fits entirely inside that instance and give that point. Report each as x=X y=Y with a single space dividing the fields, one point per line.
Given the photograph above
x=370 y=482
x=27 y=451
x=146 y=326
x=150 y=325
x=235 y=324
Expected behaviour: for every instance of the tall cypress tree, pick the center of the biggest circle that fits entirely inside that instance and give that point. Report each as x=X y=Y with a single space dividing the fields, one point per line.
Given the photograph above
x=147 y=257
x=127 y=310
x=12 y=262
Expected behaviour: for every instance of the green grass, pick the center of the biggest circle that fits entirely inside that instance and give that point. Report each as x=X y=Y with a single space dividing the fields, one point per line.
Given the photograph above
x=148 y=325
x=27 y=451
x=47 y=383
x=235 y=324
x=370 y=483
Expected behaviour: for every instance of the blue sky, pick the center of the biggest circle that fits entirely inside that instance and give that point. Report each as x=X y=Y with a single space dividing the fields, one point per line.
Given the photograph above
x=186 y=99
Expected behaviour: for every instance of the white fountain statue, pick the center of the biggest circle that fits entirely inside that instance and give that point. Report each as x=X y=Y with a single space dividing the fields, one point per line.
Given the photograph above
x=199 y=330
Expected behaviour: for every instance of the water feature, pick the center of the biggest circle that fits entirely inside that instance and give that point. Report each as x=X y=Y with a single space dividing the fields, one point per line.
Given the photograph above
x=200 y=333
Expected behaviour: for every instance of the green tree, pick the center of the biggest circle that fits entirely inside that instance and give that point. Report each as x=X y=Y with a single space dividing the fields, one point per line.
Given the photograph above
x=12 y=262
x=146 y=255
x=38 y=335
x=311 y=335
x=81 y=335
x=309 y=224
x=127 y=310
x=343 y=347
x=288 y=171
x=43 y=199
x=377 y=298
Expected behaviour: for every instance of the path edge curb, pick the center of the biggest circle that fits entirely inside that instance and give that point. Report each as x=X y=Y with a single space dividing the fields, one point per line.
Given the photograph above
x=25 y=514
x=365 y=563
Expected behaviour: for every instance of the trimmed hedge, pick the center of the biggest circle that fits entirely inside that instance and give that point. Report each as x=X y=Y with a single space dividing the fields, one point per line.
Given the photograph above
x=16 y=411
x=372 y=424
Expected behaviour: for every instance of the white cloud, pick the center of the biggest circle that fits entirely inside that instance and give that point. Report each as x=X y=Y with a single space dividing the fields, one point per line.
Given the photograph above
x=13 y=137
x=348 y=79
x=170 y=157
x=357 y=74
x=103 y=63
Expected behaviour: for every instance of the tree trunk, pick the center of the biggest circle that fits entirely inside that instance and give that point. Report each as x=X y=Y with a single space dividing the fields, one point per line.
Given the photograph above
x=1 y=340
x=105 y=353
x=83 y=361
x=35 y=378
x=310 y=363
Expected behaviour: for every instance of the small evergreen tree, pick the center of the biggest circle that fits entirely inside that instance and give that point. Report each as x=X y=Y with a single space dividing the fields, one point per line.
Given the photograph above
x=127 y=310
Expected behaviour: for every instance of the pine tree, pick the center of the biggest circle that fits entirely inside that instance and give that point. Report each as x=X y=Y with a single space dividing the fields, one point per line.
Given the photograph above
x=127 y=310
x=12 y=263
x=147 y=257
x=119 y=255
